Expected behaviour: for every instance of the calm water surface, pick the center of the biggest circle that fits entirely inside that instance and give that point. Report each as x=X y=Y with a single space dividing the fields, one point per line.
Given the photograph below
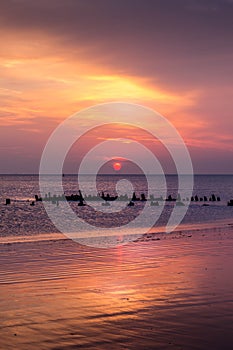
x=172 y=293
x=20 y=218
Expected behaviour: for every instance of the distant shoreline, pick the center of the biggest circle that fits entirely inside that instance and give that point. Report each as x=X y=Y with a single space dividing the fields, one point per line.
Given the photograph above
x=156 y=233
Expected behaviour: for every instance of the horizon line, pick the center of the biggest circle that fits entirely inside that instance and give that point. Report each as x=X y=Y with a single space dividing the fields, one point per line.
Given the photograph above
x=114 y=174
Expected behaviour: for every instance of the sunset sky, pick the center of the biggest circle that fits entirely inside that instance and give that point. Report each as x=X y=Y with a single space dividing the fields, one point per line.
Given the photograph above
x=60 y=56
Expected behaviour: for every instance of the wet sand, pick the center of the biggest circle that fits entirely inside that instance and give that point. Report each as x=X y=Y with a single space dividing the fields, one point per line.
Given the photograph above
x=166 y=292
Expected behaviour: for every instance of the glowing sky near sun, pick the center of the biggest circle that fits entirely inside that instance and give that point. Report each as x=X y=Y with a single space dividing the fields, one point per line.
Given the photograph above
x=57 y=57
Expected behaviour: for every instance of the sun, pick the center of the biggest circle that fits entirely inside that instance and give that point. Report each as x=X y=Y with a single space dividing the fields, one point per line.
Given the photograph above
x=117 y=166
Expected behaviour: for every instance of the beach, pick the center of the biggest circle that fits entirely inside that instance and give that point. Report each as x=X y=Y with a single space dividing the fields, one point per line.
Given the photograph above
x=167 y=291
x=116 y=175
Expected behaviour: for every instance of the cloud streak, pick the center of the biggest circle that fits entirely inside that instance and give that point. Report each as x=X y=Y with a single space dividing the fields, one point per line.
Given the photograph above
x=57 y=57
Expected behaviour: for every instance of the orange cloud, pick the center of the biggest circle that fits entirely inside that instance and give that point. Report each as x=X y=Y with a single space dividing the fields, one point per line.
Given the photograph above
x=39 y=81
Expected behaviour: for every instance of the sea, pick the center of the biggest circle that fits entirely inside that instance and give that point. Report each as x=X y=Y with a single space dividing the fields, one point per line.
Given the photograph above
x=24 y=218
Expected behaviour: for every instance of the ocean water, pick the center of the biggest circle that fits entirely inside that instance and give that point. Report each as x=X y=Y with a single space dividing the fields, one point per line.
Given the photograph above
x=22 y=219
